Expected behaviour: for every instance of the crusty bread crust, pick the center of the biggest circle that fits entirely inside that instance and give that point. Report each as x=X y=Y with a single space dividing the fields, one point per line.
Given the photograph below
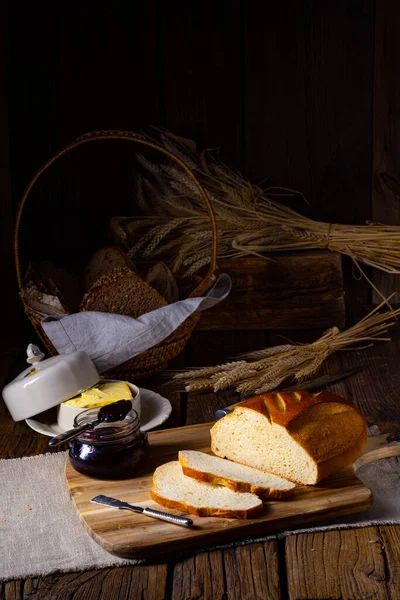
x=283 y=407
x=340 y=461
x=236 y=486
x=328 y=430
x=207 y=511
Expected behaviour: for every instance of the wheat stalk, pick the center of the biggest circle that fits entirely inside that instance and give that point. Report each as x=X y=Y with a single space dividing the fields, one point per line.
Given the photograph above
x=264 y=370
x=249 y=220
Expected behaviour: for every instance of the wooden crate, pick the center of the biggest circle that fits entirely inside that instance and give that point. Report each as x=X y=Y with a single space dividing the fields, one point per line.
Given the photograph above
x=290 y=290
x=302 y=290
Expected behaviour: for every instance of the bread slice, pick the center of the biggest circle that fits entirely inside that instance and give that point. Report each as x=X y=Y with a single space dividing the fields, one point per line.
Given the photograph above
x=45 y=304
x=122 y=292
x=103 y=261
x=171 y=488
x=239 y=478
x=54 y=280
x=300 y=436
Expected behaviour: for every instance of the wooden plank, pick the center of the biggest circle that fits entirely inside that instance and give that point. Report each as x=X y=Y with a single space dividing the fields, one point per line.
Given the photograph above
x=390 y=536
x=81 y=75
x=10 y=306
x=149 y=582
x=276 y=150
x=308 y=101
x=201 y=406
x=11 y=590
x=123 y=583
x=308 y=108
x=131 y=535
x=200 y=576
x=386 y=134
x=375 y=388
x=177 y=399
x=345 y=565
x=245 y=572
x=357 y=291
x=253 y=572
x=212 y=348
x=202 y=74
x=291 y=291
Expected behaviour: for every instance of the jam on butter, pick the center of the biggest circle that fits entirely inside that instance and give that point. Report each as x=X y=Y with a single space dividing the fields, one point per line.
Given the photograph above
x=115 y=448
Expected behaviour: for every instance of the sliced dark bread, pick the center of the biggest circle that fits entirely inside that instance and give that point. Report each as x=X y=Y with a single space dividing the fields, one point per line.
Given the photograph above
x=53 y=280
x=123 y=292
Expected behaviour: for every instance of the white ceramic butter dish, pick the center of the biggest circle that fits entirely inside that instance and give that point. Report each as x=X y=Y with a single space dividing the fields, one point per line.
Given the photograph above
x=49 y=382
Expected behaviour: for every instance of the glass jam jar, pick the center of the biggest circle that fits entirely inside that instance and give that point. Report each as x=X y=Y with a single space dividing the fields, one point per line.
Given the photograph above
x=112 y=450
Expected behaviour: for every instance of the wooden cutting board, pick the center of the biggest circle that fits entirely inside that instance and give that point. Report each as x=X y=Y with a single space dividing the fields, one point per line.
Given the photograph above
x=128 y=534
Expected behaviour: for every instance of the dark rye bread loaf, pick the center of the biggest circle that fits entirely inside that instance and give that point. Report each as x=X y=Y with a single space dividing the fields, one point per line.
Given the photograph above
x=103 y=261
x=123 y=292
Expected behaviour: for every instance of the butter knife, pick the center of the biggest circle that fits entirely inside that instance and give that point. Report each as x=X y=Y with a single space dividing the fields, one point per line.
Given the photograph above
x=149 y=512
x=313 y=384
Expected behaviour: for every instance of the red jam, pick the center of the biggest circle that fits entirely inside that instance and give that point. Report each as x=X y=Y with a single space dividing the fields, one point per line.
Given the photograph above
x=114 y=449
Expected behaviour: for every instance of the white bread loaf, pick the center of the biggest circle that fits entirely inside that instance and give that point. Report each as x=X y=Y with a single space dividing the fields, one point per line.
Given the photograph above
x=211 y=469
x=300 y=436
x=171 y=488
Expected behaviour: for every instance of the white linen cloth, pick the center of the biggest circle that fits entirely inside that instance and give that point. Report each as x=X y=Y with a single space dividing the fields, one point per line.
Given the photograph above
x=111 y=339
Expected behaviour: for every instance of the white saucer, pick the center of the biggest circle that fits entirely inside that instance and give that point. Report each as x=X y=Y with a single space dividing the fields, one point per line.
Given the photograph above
x=155 y=410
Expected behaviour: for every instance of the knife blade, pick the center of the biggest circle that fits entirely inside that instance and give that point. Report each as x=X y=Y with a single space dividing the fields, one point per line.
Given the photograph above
x=311 y=385
x=149 y=512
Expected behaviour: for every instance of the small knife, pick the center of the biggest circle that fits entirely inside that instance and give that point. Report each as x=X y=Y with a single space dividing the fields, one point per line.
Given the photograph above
x=149 y=512
x=307 y=385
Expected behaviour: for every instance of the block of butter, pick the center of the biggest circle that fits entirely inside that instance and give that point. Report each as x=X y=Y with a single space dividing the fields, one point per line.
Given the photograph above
x=101 y=394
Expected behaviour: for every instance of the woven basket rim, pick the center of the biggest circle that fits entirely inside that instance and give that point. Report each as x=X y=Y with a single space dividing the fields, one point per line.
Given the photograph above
x=182 y=333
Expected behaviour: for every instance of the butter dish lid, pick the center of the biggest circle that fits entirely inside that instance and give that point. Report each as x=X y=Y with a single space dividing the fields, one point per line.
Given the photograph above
x=48 y=382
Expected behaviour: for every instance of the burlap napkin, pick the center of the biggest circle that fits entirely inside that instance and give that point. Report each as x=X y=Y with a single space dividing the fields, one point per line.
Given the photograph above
x=40 y=531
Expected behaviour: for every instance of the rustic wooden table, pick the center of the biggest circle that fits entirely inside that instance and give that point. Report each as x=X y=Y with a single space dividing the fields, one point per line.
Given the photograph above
x=351 y=564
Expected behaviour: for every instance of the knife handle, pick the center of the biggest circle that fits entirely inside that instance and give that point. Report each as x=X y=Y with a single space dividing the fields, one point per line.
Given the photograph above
x=157 y=514
x=222 y=412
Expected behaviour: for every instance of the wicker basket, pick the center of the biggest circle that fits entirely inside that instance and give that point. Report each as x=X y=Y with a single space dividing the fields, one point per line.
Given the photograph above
x=155 y=359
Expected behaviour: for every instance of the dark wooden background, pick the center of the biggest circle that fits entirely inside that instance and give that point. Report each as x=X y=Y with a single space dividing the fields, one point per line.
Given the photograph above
x=298 y=94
